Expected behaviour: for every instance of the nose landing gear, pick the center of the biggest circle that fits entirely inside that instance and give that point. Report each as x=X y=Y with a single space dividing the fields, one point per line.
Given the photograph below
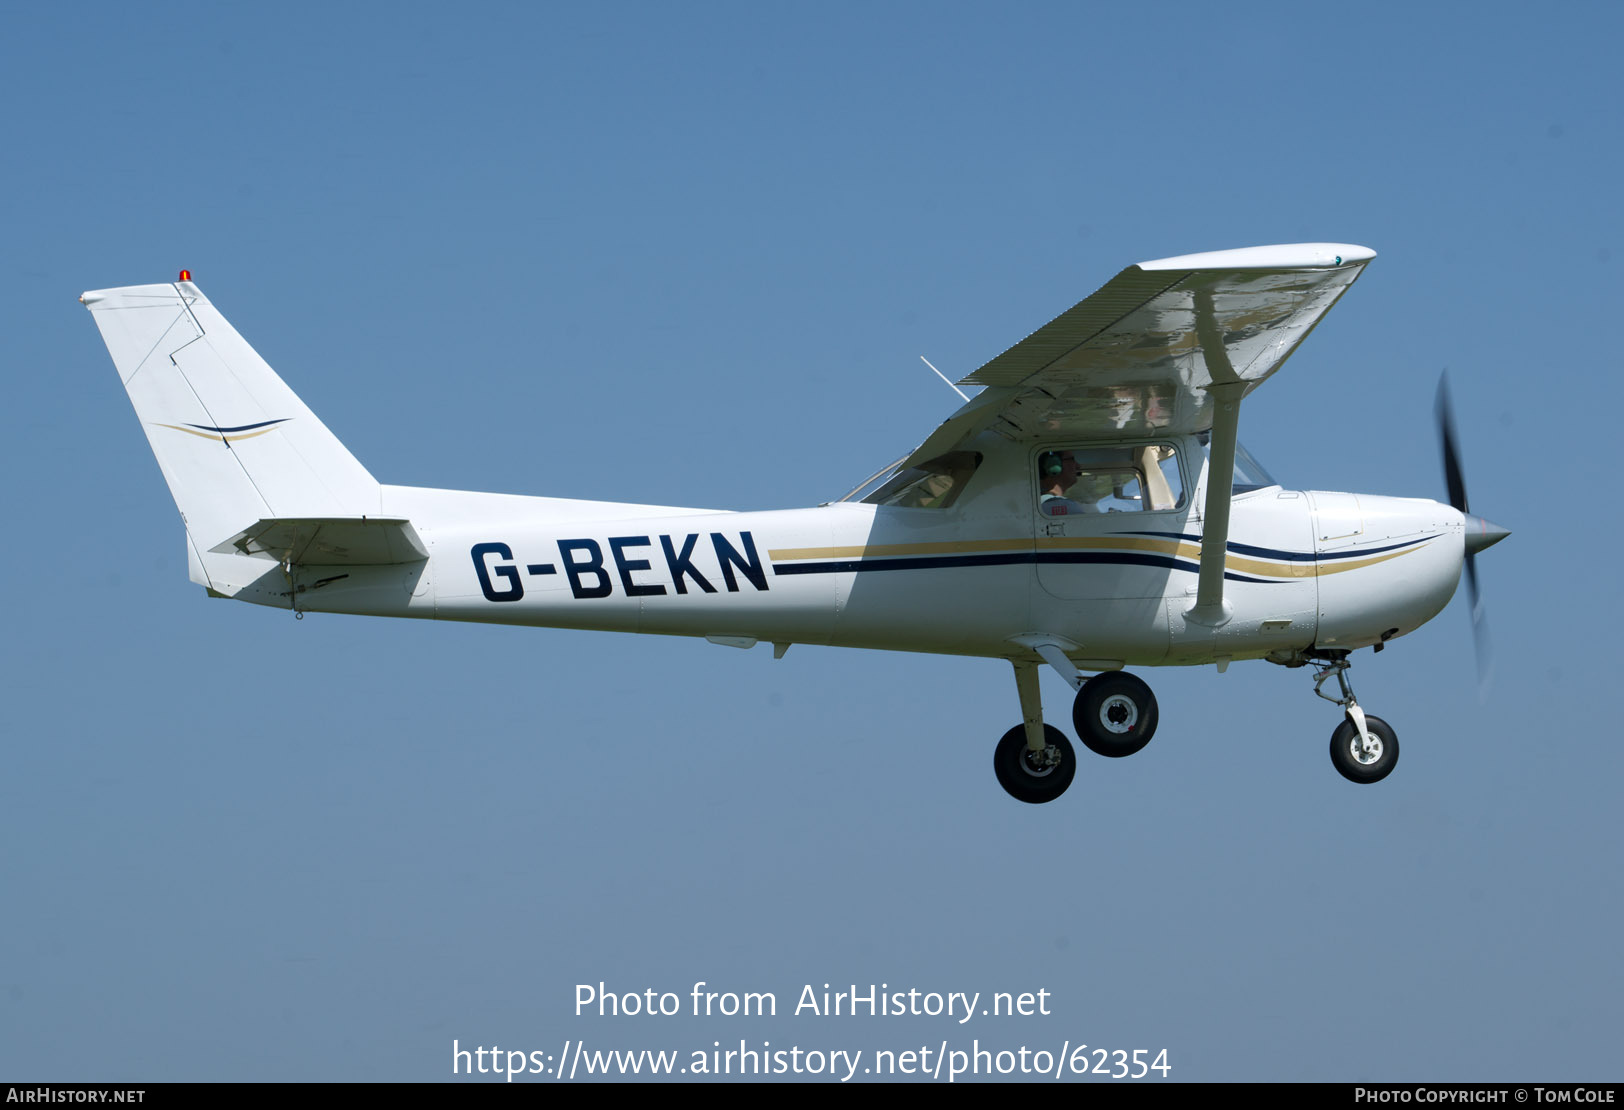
x=1364 y=748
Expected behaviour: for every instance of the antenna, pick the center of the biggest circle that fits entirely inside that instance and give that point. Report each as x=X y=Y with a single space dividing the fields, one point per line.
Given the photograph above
x=943 y=376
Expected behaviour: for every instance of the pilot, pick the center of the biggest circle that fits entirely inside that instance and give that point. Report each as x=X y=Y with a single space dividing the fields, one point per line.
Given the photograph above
x=1057 y=473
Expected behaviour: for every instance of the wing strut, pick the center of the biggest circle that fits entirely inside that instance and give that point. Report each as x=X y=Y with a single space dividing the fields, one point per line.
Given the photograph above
x=1227 y=389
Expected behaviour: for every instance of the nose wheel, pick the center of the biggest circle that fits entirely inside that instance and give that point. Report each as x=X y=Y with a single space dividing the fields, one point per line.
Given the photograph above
x=1364 y=748
x=1359 y=761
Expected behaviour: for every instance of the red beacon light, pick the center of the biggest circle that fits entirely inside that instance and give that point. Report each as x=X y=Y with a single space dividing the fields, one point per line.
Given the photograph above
x=186 y=275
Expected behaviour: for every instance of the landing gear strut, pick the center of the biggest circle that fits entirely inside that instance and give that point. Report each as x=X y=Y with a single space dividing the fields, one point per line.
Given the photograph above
x=1364 y=748
x=1034 y=761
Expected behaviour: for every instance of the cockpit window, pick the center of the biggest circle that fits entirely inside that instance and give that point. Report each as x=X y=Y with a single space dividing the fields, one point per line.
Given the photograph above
x=934 y=484
x=1072 y=481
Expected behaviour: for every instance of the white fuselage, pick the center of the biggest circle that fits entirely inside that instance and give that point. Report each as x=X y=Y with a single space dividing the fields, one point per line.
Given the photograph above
x=1304 y=571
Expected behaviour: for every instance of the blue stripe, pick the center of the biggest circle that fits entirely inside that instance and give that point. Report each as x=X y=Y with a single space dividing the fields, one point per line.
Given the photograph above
x=1286 y=556
x=244 y=428
x=1050 y=558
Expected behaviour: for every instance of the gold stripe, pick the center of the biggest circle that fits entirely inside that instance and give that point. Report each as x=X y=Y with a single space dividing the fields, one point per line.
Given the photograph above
x=1276 y=568
x=1122 y=543
x=860 y=551
x=1357 y=563
x=217 y=436
x=1279 y=568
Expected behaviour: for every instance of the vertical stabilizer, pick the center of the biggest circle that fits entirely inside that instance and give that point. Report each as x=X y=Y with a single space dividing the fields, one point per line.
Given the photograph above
x=235 y=444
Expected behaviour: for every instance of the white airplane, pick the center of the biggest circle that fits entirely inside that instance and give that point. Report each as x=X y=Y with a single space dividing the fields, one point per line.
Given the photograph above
x=1089 y=510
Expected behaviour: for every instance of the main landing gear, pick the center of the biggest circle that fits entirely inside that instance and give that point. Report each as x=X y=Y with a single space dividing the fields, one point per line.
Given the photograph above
x=1114 y=713
x=1030 y=775
x=1364 y=748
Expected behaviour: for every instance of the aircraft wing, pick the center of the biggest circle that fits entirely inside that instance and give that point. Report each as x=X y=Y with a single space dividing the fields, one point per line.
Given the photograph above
x=1140 y=356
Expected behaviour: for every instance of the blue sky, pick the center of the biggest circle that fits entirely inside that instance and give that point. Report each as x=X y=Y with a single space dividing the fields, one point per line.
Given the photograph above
x=690 y=255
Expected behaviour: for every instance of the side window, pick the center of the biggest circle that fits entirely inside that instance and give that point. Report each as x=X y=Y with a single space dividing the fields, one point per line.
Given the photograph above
x=1081 y=480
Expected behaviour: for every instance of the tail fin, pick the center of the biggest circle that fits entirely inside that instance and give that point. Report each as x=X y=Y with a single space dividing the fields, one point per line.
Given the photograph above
x=235 y=444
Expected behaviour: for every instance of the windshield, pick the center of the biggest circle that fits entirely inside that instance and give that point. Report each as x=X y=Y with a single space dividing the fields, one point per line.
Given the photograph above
x=1249 y=473
x=934 y=484
x=872 y=482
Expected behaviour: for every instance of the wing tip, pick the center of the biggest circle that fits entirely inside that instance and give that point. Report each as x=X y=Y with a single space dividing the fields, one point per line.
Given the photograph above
x=1282 y=256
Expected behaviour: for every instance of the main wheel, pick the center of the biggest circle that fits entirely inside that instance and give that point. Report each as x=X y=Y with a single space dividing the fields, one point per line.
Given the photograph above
x=1027 y=780
x=1115 y=714
x=1351 y=760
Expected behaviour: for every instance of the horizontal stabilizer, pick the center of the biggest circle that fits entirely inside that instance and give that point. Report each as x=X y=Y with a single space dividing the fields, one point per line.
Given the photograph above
x=343 y=541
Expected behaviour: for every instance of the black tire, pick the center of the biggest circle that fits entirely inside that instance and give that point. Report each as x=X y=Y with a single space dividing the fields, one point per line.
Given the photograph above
x=1114 y=714
x=1016 y=774
x=1347 y=753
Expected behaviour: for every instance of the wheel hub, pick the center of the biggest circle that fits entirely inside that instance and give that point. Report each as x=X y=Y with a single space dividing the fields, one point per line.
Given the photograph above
x=1361 y=755
x=1119 y=714
x=1039 y=764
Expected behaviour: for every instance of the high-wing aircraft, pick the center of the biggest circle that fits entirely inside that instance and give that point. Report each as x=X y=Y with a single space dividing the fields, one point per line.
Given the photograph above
x=1090 y=509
